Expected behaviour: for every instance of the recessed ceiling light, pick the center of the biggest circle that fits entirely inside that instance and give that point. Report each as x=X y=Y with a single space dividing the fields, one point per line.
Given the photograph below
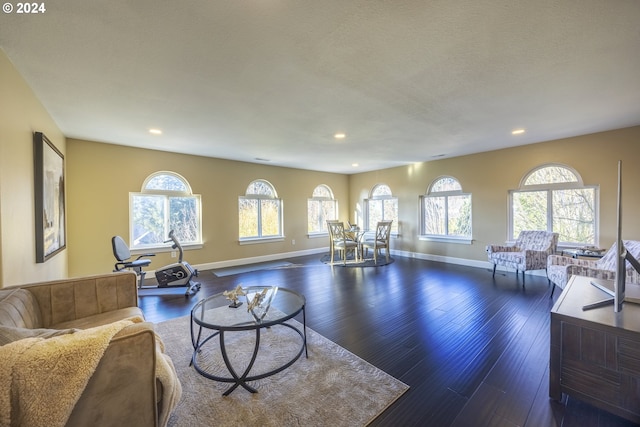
x=517 y=131
x=262 y=159
x=340 y=135
x=435 y=156
x=355 y=165
x=155 y=131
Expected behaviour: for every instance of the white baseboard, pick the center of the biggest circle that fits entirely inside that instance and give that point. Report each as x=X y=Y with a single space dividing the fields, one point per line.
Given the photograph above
x=447 y=259
x=258 y=259
x=407 y=254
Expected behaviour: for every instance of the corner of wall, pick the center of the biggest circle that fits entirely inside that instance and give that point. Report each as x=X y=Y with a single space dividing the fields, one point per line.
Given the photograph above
x=22 y=114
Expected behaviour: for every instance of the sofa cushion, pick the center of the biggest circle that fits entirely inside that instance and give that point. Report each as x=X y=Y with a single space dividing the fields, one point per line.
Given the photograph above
x=19 y=308
x=510 y=257
x=101 y=319
x=69 y=299
x=10 y=334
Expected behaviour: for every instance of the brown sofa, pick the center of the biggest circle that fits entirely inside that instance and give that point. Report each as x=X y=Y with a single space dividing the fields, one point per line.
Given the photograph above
x=124 y=389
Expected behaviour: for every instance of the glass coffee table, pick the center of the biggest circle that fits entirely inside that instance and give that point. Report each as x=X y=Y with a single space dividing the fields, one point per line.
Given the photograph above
x=215 y=317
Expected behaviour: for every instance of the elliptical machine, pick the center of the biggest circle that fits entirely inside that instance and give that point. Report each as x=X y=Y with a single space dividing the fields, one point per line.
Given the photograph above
x=178 y=274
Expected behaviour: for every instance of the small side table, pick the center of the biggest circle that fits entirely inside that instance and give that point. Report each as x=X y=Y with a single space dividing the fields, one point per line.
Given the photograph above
x=583 y=253
x=213 y=318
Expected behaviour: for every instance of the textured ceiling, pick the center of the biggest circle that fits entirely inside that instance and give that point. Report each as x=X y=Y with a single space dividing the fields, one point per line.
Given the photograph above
x=275 y=79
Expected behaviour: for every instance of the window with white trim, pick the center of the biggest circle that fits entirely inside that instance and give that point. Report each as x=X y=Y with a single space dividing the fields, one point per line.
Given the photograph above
x=320 y=208
x=445 y=211
x=260 y=212
x=381 y=206
x=552 y=197
x=164 y=203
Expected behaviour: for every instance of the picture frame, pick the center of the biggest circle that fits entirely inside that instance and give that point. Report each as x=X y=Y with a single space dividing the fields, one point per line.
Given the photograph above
x=50 y=209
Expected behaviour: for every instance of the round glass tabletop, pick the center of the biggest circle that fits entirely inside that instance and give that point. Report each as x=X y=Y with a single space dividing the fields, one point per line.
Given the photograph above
x=278 y=305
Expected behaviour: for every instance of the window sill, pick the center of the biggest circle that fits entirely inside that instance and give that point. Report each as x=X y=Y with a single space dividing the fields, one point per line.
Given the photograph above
x=447 y=239
x=317 y=235
x=258 y=240
x=165 y=248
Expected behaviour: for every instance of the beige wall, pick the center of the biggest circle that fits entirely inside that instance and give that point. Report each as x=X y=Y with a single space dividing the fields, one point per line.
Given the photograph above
x=21 y=114
x=101 y=176
x=488 y=177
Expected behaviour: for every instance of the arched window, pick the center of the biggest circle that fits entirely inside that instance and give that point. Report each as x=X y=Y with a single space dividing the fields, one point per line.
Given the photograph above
x=552 y=197
x=381 y=206
x=445 y=211
x=164 y=203
x=321 y=207
x=260 y=212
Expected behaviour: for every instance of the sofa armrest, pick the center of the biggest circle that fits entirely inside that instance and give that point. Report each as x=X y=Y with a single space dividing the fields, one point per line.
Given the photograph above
x=557 y=260
x=563 y=260
x=581 y=270
x=71 y=299
x=502 y=248
x=122 y=389
x=534 y=253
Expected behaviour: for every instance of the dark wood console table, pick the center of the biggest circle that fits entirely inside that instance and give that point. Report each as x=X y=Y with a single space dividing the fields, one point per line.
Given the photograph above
x=595 y=354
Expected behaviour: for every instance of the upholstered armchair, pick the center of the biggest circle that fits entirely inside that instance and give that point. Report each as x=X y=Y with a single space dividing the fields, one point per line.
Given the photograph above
x=529 y=252
x=561 y=268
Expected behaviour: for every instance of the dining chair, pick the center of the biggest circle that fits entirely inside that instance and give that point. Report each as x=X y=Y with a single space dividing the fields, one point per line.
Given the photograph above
x=338 y=241
x=380 y=241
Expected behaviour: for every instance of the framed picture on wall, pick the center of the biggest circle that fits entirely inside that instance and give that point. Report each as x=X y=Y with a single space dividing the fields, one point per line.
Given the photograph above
x=49 y=198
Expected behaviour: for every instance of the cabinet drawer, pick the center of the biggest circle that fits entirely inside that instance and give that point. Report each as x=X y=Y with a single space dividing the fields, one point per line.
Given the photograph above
x=629 y=357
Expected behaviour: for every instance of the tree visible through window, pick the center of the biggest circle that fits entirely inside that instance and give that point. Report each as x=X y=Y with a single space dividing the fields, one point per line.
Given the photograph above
x=260 y=212
x=553 y=198
x=320 y=208
x=165 y=203
x=446 y=210
x=381 y=206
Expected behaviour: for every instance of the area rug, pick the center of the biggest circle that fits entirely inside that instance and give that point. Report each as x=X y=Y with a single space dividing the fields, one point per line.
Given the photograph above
x=221 y=272
x=332 y=387
x=351 y=262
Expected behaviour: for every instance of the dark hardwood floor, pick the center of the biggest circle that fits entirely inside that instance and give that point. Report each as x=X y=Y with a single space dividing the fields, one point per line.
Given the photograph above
x=473 y=349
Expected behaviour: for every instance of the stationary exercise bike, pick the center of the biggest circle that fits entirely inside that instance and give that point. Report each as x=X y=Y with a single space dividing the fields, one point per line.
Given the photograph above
x=178 y=274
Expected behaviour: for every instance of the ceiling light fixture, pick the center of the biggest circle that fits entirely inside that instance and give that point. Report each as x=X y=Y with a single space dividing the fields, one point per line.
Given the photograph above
x=355 y=165
x=339 y=135
x=517 y=132
x=155 y=131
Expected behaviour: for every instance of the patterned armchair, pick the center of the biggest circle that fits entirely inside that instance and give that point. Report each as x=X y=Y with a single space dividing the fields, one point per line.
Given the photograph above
x=561 y=268
x=529 y=252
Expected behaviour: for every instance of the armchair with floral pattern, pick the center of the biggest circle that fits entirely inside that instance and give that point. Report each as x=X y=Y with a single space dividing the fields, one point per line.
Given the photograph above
x=561 y=268
x=529 y=252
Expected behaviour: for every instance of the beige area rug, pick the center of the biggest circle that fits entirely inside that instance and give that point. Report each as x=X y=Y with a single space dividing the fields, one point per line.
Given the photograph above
x=332 y=387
